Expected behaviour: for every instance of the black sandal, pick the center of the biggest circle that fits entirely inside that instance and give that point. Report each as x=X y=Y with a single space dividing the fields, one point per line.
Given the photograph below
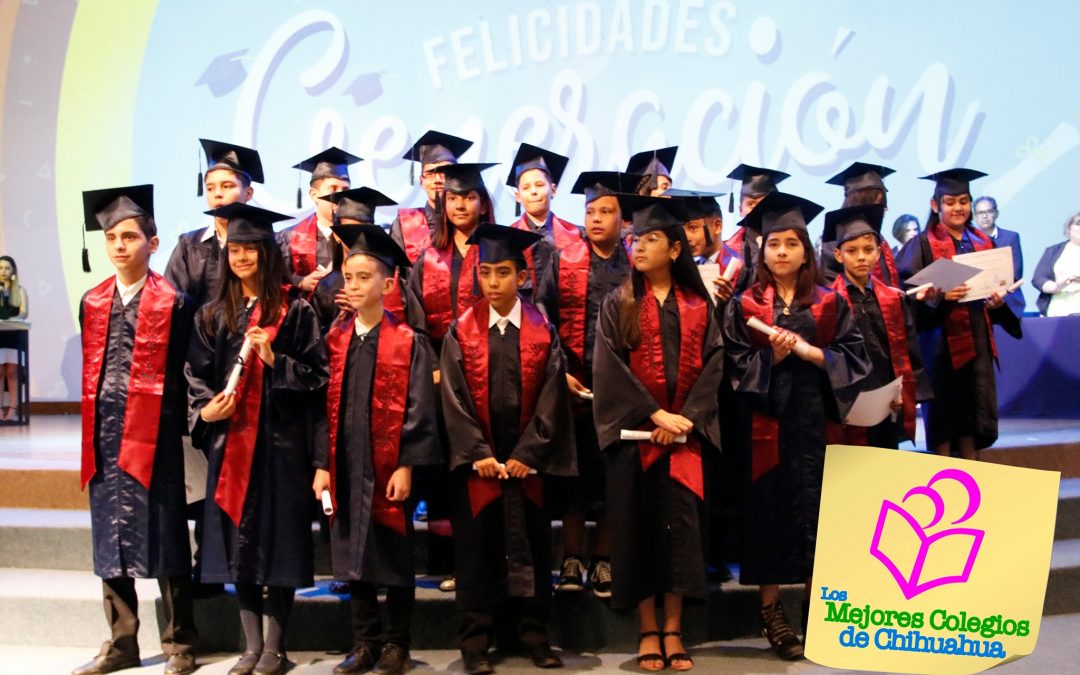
x=678 y=656
x=659 y=657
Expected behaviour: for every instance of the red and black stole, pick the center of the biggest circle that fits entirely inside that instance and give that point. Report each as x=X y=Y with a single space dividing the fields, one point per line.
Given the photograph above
x=890 y=300
x=958 y=323
x=146 y=384
x=564 y=234
x=647 y=365
x=765 y=429
x=534 y=347
x=243 y=429
x=415 y=232
x=573 y=285
x=440 y=308
x=393 y=359
x=303 y=246
x=737 y=241
x=888 y=262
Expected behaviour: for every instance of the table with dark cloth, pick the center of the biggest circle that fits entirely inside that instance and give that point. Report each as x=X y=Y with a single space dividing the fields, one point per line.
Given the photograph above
x=1040 y=374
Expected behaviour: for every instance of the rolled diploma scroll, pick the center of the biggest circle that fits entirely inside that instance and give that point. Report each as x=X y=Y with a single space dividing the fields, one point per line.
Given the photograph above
x=732 y=269
x=801 y=347
x=327 y=503
x=635 y=435
x=1015 y=287
x=918 y=289
x=245 y=351
x=532 y=472
x=586 y=395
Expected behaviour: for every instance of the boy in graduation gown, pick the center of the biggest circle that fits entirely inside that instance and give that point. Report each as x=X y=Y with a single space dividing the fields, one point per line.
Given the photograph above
x=956 y=338
x=756 y=184
x=381 y=422
x=413 y=228
x=195 y=264
x=535 y=178
x=507 y=412
x=569 y=294
x=309 y=246
x=884 y=318
x=135 y=327
x=702 y=229
x=863 y=185
x=655 y=165
x=352 y=209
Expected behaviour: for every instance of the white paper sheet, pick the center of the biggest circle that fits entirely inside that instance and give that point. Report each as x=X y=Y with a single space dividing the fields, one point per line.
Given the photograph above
x=944 y=273
x=709 y=272
x=872 y=407
x=996 y=272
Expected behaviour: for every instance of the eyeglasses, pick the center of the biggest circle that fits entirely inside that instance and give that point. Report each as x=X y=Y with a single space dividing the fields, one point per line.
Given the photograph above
x=988 y=212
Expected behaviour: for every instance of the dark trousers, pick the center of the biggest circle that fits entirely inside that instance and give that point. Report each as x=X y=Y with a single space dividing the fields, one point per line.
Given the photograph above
x=527 y=617
x=122 y=612
x=366 y=620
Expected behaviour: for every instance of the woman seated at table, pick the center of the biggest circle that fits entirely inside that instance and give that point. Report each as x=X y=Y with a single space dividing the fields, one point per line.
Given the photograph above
x=13 y=305
x=1057 y=276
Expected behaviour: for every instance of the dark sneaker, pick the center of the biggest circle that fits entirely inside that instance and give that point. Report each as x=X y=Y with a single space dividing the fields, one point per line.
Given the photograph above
x=776 y=628
x=572 y=577
x=600 y=578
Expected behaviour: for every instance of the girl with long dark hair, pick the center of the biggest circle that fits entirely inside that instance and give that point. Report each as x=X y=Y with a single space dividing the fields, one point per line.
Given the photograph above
x=257 y=432
x=656 y=367
x=793 y=381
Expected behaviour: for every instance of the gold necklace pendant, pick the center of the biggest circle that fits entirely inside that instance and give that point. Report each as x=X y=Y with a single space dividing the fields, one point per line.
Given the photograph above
x=787 y=311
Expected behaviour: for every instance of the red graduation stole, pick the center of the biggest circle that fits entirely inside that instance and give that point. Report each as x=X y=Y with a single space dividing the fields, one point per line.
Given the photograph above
x=647 y=365
x=440 y=309
x=573 y=285
x=889 y=263
x=393 y=359
x=146 y=384
x=243 y=428
x=303 y=246
x=414 y=231
x=394 y=301
x=564 y=233
x=765 y=429
x=737 y=240
x=534 y=345
x=890 y=300
x=958 y=322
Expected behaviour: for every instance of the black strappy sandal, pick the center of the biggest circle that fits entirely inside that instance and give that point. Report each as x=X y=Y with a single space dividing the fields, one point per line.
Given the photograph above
x=658 y=657
x=678 y=656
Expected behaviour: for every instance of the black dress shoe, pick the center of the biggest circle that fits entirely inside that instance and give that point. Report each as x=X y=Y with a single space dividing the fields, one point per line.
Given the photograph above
x=246 y=664
x=543 y=656
x=271 y=663
x=476 y=664
x=180 y=664
x=393 y=660
x=107 y=662
x=360 y=660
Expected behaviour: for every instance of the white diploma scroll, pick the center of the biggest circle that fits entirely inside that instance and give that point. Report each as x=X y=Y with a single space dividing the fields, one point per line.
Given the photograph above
x=635 y=435
x=245 y=352
x=586 y=395
x=532 y=472
x=327 y=503
x=732 y=270
x=801 y=347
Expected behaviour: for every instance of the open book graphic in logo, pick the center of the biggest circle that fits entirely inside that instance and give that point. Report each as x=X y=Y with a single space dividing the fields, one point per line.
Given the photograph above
x=921 y=557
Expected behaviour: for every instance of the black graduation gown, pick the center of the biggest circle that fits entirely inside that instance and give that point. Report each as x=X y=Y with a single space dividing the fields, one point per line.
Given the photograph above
x=138 y=532
x=779 y=527
x=360 y=549
x=195 y=266
x=657 y=525
x=272 y=546
x=965 y=400
x=586 y=493
x=324 y=250
x=512 y=527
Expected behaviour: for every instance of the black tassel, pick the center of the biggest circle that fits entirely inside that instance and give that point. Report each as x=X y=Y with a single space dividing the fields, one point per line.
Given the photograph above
x=85 y=252
x=412 y=173
x=517 y=209
x=731 y=200
x=298 y=192
x=200 y=188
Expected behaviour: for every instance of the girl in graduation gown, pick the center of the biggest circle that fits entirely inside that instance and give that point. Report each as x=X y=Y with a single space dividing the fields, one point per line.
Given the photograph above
x=793 y=382
x=957 y=339
x=257 y=527
x=657 y=364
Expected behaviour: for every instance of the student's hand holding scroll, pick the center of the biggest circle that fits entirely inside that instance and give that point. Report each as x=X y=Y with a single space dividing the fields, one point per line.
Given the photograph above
x=221 y=407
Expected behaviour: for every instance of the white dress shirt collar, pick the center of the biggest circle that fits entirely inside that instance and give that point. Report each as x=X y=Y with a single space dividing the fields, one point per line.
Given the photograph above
x=128 y=293
x=513 y=317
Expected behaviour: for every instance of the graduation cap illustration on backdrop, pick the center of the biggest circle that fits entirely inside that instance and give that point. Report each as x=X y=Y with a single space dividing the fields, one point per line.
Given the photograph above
x=225 y=73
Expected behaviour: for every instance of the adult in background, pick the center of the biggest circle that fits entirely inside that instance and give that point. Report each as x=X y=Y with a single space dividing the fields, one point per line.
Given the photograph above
x=904 y=228
x=13 y=305
x=986 y=213
x=1057 y=276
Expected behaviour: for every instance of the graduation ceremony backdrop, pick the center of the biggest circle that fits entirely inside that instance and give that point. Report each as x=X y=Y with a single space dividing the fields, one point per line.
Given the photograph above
x=102 y=93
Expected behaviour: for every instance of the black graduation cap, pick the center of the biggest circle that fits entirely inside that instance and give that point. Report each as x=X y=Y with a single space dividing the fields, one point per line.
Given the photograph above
x=861 y=176
x=358 y=204
x=846 y=224
x=103 y=209
x=780 y=211
x=463 y=178
x=533 y=157
x=653 y=213
x=698 y=204
x=596 y=184
x=371 y=240
x=248 y=224
x=756 y=181
x=500 y=242
x=232 y=157
x=653 y=162
x=953 y=181
x=330 y=163
x=435 y=146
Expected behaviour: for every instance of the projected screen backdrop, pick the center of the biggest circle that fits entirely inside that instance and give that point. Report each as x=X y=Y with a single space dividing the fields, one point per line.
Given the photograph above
x=96 y=94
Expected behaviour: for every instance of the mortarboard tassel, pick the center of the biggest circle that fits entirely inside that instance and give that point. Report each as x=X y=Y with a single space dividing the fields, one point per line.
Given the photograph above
x=85 y=252
x=517 y=209
x=298 y=191
x=199 y=189
x=731 y=199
